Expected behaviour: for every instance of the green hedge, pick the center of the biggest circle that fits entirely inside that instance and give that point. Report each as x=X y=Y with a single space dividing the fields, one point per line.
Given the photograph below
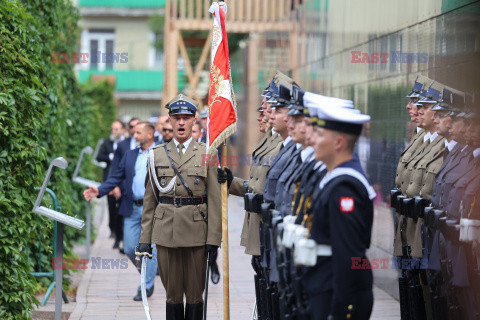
x=44 y=114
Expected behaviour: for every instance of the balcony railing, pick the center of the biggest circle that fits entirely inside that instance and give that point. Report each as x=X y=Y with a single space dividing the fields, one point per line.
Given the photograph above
x=138 y=4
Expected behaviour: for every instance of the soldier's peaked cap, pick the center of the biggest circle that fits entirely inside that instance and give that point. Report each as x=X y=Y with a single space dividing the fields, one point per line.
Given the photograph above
x=296 y=106
x=279 y=79
x=204 y=113
x=182 y=104
x=419 y=84
x=446 y=103
x=283 y=98
x=434 y=93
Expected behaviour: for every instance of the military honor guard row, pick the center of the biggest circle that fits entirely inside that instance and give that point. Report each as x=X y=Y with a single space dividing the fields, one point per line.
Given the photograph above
x=436 y=203
x=309 y=207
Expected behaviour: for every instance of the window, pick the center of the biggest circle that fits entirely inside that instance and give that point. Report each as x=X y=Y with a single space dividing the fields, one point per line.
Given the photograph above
x=100 y=45
x=155 y=56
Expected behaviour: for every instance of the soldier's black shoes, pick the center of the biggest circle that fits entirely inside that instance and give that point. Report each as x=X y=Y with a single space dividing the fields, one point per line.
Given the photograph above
x=116 y=244
x=193 y=311
x=215 y=273
x=138 y=297
x=175 y=311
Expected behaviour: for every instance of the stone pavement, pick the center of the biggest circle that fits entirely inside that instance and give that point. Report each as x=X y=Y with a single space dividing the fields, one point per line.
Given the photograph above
x=107 y=293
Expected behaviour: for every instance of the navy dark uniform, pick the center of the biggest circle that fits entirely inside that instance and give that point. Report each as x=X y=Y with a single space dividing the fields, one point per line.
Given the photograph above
x=341 y=227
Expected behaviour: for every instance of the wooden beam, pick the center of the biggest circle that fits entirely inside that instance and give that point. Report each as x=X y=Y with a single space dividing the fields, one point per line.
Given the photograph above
x=248 y=9
x=281 y=9
x=198 y=9
x=206 y=6
x=294 y=53
x=234 y=26
x=273 y=8
x=256 y=11
x=240 y=9
x=265 y=10
x=231 y=10
x=170 y=84
x=191 y=4
x=174 y=15
x=183 y=9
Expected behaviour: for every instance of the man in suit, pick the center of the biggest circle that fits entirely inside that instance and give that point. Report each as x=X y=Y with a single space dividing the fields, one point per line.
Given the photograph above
x=122 y=147
x=132 y=171
x=125 y=145
x=182 y=213
x=106 y=154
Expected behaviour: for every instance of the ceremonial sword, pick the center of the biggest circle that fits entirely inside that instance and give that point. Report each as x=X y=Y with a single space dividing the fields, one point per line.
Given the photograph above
x=141 y=257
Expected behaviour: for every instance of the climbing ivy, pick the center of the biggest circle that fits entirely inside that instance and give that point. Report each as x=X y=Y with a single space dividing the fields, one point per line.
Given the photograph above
x=44 y=114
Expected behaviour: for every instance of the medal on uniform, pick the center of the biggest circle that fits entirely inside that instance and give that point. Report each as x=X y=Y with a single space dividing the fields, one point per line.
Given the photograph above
x=163 y=182
x=197 y=181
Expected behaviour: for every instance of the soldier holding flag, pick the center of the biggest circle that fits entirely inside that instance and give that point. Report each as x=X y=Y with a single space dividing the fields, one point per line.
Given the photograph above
x=181 y=213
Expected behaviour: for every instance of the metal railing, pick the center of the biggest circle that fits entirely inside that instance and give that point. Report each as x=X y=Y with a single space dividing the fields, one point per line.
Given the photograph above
x=60 y=219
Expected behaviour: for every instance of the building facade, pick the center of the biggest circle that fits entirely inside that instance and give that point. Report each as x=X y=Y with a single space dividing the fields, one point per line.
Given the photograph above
x=119 y=40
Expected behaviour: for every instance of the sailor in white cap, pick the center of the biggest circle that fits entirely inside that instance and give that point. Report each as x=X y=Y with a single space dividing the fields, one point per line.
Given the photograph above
x=340 y=284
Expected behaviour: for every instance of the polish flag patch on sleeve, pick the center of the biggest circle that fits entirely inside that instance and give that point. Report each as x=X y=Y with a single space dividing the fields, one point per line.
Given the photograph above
x=347 y=204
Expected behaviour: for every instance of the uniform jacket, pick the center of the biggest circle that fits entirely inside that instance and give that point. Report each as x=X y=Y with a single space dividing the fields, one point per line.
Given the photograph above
x=470 y=204
x=283 y=198
x=343 y=218
x=462 y=168
x=123 y=175
x=463 y=196
x=171 y=226
x=276 y=169
x=412 y=180
x=451 y=160
x=417 y=169
x=306 y=190
x=421 y=152
x=407 y=154
x=262 y=157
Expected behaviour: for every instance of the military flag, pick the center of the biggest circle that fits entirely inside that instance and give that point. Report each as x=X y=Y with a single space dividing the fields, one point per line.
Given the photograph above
x=222 y=113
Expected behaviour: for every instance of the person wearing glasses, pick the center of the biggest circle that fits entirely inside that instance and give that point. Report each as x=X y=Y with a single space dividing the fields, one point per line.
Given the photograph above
x=167 y=132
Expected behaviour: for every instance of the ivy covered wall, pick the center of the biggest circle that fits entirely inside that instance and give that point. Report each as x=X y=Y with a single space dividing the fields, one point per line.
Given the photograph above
x=44 y=114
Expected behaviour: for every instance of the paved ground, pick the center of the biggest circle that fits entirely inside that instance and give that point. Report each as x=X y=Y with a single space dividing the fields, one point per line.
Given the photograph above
x=107 y=293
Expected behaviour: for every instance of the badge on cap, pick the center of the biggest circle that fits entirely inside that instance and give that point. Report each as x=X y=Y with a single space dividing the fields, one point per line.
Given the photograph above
x=347 y=204
x=163 y=182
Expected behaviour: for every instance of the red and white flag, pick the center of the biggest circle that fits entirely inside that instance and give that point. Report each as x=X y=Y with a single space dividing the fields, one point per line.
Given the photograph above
x=222 y=112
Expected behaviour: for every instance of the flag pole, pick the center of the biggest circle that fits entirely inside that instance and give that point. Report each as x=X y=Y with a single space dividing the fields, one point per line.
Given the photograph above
x=226 y=276
x=226 y=269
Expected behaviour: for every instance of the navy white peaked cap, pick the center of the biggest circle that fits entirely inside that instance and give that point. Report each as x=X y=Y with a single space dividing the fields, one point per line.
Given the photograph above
x=336 y=114
x=182 y=104
x=312 y=99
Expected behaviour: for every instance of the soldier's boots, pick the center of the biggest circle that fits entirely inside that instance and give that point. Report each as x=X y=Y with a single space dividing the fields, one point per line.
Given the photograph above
x=194 y=311
x=175 y=311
